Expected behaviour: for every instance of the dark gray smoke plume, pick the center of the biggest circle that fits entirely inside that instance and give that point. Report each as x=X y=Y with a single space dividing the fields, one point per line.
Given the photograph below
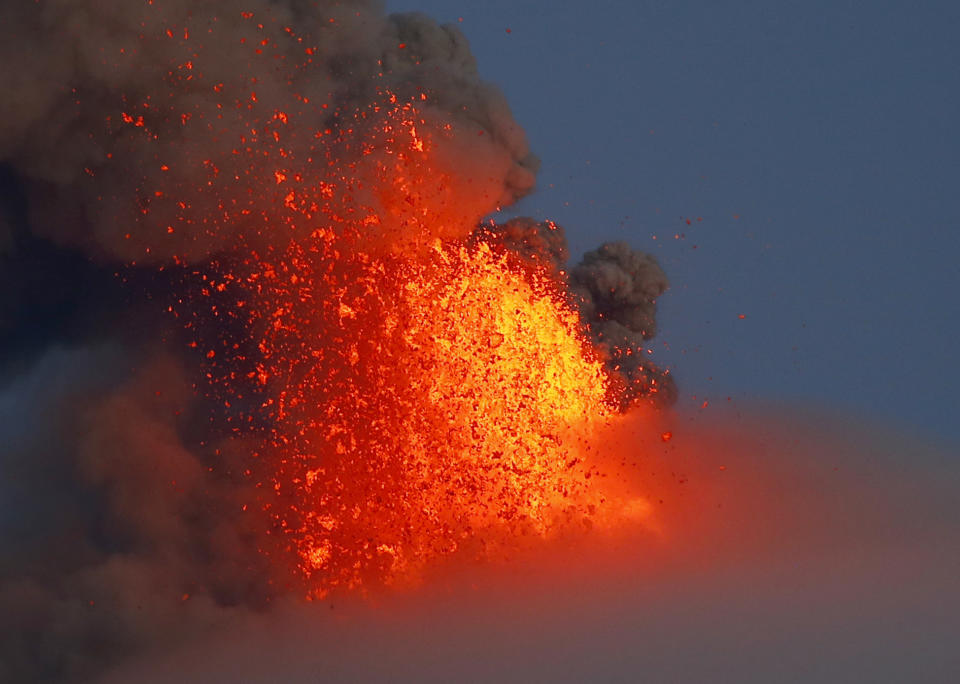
x=134 y=139
x=119 y=528
x=130 y=123
x=617 y=288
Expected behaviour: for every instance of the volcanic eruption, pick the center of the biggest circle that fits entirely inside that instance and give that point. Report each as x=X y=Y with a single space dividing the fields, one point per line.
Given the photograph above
x=414 y=393
x=281 y=351
x=279 y=397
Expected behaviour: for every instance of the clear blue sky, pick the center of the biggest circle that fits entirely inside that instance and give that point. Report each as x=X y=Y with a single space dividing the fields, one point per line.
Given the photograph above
x=817 y=141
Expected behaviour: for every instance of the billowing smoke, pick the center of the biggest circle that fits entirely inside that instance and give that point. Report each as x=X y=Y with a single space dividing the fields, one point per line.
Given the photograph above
x=115 y=535
x=130 y=125
x=141 y=142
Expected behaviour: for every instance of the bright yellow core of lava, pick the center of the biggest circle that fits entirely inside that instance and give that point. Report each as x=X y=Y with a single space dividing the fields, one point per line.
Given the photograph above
x=457 y=415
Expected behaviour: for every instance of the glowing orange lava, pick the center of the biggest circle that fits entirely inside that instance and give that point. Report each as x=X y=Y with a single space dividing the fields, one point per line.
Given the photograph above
x=415 y=393
x=465 y=421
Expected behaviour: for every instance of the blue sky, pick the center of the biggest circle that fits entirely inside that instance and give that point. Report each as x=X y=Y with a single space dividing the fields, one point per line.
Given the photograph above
x=812 y=145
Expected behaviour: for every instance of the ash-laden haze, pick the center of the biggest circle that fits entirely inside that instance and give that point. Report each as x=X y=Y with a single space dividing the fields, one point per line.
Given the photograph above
x=795 y=546
x=256 y=342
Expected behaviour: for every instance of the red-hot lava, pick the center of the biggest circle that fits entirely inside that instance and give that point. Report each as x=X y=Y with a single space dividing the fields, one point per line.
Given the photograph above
x=415 y=394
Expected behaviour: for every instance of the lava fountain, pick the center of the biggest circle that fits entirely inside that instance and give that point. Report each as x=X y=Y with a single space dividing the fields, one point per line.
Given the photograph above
x=414 y=392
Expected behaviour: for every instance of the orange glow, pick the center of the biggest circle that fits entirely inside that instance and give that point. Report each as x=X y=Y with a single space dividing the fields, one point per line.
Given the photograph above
x=442 y=403
x=412 y=393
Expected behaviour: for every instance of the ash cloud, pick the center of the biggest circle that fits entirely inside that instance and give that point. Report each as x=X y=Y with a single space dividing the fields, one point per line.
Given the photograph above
x=439 y=58
x=119 y=528
x=118 y=112
x=122 y=520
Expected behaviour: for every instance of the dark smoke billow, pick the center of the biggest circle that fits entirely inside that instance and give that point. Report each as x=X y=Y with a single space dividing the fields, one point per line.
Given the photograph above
x=119 y=112
x=115 y=535
x=124 y=133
